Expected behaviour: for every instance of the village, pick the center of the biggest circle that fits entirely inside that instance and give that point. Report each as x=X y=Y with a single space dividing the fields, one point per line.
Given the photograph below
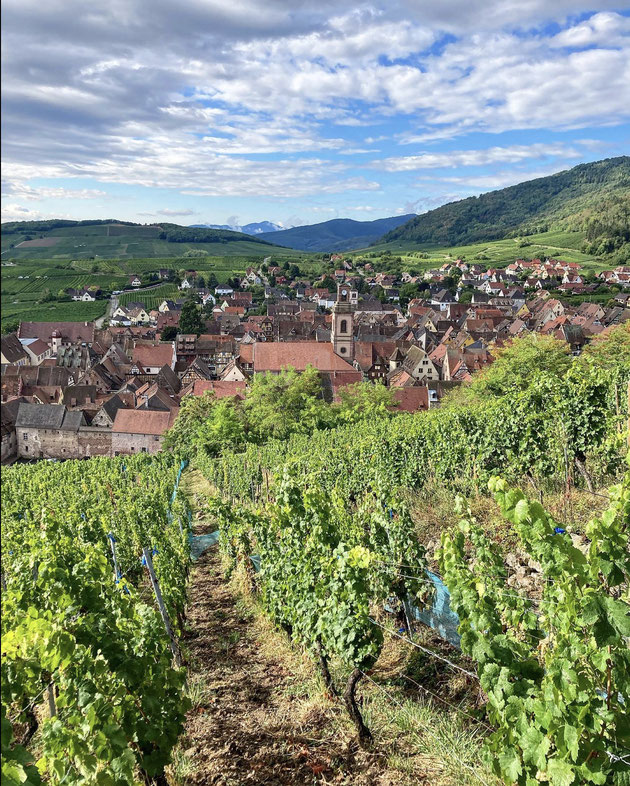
x=75 y=390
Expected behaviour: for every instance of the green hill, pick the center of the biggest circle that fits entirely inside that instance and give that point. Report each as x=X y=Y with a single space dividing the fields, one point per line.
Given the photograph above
x=593 y=199
x=338 y=234
x=60 y=239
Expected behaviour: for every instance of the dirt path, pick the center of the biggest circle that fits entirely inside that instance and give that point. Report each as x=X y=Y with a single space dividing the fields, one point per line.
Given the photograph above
x=230 y=734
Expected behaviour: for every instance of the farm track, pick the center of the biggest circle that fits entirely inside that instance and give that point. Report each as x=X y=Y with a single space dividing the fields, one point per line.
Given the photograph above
x=247 y=727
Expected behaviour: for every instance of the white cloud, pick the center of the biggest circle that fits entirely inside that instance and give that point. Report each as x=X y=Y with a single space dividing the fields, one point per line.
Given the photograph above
x=18 y=190
x=168 y=212
x=606 y=29
x=202 y=95
x=496 y=180
x=491 y=155
x=15 y=212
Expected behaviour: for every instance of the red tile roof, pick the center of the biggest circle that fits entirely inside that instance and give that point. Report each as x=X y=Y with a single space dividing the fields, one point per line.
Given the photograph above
x=298 y=355
x=220 y=388
x=412 y=399
x=70 y=331
x=139 y=421
x=147 y=355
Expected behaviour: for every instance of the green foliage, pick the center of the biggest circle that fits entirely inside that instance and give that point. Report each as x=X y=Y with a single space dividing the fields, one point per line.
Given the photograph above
x=191 y=319
x=534 y=206
x=518 y=363
x=169 y=333
x=556 y=671
x=533 y=429
x=364 y=400
x=278 y=405
x=324 y=564
x=174 y=233
x=71 y=622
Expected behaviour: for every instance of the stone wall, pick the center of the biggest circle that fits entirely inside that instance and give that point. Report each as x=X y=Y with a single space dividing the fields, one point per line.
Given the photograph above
x=94 y=441
x=129 y=444
x=88 y=441
x=47 y=443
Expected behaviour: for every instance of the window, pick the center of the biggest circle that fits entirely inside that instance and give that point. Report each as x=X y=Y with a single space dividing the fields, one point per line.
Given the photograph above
x=25 y=436
x=343 y=327
x=343 y=350
x=144 y=450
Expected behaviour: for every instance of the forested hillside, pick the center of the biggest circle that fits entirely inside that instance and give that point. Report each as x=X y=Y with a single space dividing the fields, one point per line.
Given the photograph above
x=339 y=234
x=593 y=198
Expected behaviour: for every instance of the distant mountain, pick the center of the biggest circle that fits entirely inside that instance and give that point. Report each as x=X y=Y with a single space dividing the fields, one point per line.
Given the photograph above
x=256 y=228
x=339 y=234
x=593 y=198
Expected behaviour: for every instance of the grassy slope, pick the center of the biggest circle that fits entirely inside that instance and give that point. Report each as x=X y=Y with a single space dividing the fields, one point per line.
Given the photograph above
x=559 y=244
x=121 y=242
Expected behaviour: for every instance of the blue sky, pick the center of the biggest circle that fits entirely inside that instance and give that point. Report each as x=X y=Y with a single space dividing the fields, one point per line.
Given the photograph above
x=202 y=111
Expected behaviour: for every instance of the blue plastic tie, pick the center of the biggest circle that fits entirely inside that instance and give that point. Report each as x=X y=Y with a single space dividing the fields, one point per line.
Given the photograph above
x=143 y=561
x=559 y=530
x=83 y=516
x=111 y=537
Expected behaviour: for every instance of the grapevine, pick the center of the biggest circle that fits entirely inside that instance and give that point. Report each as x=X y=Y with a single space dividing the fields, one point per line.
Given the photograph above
x=77 y=637
x=556 y=671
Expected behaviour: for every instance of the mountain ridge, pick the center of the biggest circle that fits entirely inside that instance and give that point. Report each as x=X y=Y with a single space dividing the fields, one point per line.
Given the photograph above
x=254 y=228
x=337 y=234
x=592 y=197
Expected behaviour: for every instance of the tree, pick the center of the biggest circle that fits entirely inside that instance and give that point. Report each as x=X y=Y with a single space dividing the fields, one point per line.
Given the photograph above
x=211 y=281
x=224 y=428
x=206 y=425
x=408 y=292
x=11 y=327
x=190 y=320
x=47 y=297
x=329 y=284
x=278 y=405
x=364 y=400
x=519 y=365
x=169 y=333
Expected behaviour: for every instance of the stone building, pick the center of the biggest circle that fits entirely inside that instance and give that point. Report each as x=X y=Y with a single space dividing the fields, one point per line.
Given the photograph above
x=140 y=430
x=47 y=431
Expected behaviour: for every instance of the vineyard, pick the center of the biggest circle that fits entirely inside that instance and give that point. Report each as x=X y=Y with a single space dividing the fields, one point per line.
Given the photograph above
x=151 y=298
x=335 y=546
x=318 y=531
x=81 y=632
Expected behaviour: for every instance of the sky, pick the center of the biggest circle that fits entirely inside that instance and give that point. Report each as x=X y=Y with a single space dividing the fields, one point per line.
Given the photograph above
x=296 y=112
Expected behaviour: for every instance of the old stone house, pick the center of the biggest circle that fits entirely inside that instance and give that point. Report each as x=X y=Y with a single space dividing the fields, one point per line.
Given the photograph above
x=140 y=431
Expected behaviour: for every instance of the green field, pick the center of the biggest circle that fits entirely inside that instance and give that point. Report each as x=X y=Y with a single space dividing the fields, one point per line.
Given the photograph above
x=53 y=312
x=113 y=241
x=562 y=245
x=152 y=297
x=28 y=280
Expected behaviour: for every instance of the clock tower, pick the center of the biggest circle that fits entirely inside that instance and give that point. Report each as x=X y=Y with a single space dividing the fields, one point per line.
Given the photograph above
x=342 y=334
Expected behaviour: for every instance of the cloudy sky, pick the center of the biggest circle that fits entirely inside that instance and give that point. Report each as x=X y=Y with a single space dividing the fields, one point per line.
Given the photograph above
x=230 y=111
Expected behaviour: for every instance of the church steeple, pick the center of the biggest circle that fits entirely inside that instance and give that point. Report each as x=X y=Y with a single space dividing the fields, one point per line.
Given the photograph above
x=342 y=333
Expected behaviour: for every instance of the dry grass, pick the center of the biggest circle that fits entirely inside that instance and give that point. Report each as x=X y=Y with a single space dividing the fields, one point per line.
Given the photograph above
x=433 y=511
